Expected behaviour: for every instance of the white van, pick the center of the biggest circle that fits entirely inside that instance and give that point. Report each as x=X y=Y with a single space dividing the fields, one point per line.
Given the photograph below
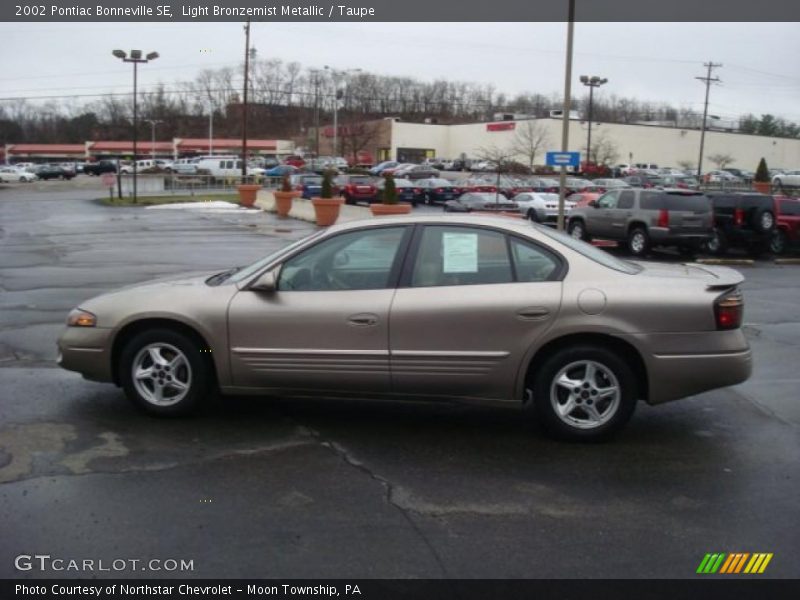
x=224 y=166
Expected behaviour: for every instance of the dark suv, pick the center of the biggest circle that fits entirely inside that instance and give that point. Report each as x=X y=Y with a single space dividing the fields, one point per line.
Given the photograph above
x=645 y=218
x=743 y=220
x=99 y=167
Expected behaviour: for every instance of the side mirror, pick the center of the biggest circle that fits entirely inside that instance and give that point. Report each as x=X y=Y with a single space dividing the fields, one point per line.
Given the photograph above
x=593 y=204
x=268 y=282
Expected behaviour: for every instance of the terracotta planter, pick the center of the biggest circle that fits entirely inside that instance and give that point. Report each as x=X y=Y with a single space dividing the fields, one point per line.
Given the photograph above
x=400 y=208
x=762 y=187
x=327 y=210
x=283 y=202
x=247 y=194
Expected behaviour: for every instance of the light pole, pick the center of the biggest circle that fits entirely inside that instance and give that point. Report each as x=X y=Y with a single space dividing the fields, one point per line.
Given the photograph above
x=337 y=95
x=210 y=129
x=153 y=123
x=592 y=82
x=135 y=58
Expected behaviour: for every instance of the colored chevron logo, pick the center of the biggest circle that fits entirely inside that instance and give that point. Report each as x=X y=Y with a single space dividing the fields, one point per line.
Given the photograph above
x=734 y=563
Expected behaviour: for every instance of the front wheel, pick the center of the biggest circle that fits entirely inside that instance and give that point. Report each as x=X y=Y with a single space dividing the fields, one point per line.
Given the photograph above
x=164 y=372
x=777 y=243
x=584 y=393
x=638 y=242
x=534 y=216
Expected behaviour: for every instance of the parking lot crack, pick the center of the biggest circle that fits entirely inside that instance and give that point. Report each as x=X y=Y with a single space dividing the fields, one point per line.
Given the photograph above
x=342 y=453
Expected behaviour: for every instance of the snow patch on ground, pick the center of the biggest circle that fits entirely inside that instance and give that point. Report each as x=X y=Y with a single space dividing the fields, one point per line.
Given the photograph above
x=214 y=206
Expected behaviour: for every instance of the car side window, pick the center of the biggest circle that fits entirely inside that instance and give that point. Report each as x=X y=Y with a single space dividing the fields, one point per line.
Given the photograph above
x=626 y=199
x=359 y=260
x=461 y=256
x=532 y=263
x=608 y=200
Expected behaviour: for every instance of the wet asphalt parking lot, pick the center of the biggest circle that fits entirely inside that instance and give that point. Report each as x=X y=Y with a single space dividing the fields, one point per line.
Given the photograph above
x=265 y=487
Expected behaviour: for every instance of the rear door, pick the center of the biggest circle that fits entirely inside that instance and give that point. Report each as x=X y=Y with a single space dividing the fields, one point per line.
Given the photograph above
x=470 y=304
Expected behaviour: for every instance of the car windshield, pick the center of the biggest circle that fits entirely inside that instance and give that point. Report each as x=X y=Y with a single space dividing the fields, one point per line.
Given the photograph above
x=250 y=270
x=589 y=251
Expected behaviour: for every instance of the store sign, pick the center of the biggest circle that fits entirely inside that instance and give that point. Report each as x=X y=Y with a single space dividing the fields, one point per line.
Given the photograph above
x=506 y=126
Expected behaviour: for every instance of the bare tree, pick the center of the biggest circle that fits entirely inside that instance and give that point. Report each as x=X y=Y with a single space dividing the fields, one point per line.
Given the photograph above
x=531 y=137
x=721 y=160
x=603 y=151
x=501 y=158
x=686 y=165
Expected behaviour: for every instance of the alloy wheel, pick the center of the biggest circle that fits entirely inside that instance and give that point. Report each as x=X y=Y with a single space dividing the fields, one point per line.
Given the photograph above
x=161 y=374
x=585 y=394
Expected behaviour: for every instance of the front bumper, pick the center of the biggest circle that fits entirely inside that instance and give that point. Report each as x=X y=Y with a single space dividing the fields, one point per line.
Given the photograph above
x=86 y=350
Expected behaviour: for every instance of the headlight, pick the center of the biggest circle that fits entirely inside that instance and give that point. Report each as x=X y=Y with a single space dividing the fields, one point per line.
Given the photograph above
x=81 y=318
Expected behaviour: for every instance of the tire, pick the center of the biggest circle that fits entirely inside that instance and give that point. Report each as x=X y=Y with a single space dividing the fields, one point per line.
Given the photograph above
x=534 y=216
x=638 y=242
x=169 y=346
x=718 y=243
x=606 y=397
x=777 y=183
x=777 y=243
x=577 y=229
x=763 y=220
x=348 y=200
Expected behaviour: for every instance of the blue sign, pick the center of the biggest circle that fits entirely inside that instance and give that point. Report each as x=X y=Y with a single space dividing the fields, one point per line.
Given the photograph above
x=563 y=159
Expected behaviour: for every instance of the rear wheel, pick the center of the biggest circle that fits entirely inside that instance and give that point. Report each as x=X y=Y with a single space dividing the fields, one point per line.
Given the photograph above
x=584 y=393
x=577 y=230
x=717 y=243
x=638 y=242
x=164 y=373
x=777 y=243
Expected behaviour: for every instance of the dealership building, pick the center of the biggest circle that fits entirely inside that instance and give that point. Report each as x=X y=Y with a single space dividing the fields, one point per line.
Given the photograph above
x=394 y=139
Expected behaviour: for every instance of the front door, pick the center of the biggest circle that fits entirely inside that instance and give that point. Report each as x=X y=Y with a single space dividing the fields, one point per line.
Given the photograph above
x=326 y=328
x=471 y=305
x=598 y=221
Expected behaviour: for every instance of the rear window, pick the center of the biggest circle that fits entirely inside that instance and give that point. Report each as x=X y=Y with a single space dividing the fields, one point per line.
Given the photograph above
x=675 y=201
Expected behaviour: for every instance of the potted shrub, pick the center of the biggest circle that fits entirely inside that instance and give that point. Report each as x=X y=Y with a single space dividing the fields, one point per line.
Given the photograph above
x=326 y=207
x=389 y=204
x=247 y=193
x=284 y=197
x=761 y=181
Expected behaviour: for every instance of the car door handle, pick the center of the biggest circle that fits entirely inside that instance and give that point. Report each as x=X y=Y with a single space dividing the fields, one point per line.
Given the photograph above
x=533 y=313
x=363 y=320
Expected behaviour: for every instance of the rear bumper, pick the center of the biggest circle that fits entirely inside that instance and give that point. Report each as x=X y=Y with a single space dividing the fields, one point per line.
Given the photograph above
x=667 y=237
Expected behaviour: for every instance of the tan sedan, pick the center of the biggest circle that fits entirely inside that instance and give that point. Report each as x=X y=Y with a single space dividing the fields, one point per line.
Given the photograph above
x=470 y=308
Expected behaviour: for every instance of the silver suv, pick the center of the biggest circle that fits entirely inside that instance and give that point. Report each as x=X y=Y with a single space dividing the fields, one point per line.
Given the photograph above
x=644 y=218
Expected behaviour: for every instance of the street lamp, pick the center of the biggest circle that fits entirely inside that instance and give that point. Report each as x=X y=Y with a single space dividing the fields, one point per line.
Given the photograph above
x=336 y=97
x=135 y=58
x=153 y=123
x=592 y=82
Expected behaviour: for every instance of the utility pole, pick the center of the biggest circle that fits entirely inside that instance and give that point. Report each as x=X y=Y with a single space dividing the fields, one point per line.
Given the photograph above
x=708 y=81
x=244 y=97
x=153 y=123
x=562 y=185
x=315 y=73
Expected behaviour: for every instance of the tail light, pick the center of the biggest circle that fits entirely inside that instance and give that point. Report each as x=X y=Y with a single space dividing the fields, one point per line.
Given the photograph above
x=439 y=190
x=417 y=190
x=663 y=218
x=738 y=217
x=728 y=310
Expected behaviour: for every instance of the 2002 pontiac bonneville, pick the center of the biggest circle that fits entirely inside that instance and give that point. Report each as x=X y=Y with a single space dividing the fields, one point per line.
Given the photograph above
x=473 y=308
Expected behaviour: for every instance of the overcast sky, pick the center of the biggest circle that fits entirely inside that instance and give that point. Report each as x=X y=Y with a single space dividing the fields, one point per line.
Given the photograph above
x=649 y=61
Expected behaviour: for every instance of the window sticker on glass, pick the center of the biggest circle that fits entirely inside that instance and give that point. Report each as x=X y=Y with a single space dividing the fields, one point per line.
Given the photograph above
x=460 y=252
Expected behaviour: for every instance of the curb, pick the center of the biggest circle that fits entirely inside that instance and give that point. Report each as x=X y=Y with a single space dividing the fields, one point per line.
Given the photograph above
x=726 y=261
x=787 y=261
